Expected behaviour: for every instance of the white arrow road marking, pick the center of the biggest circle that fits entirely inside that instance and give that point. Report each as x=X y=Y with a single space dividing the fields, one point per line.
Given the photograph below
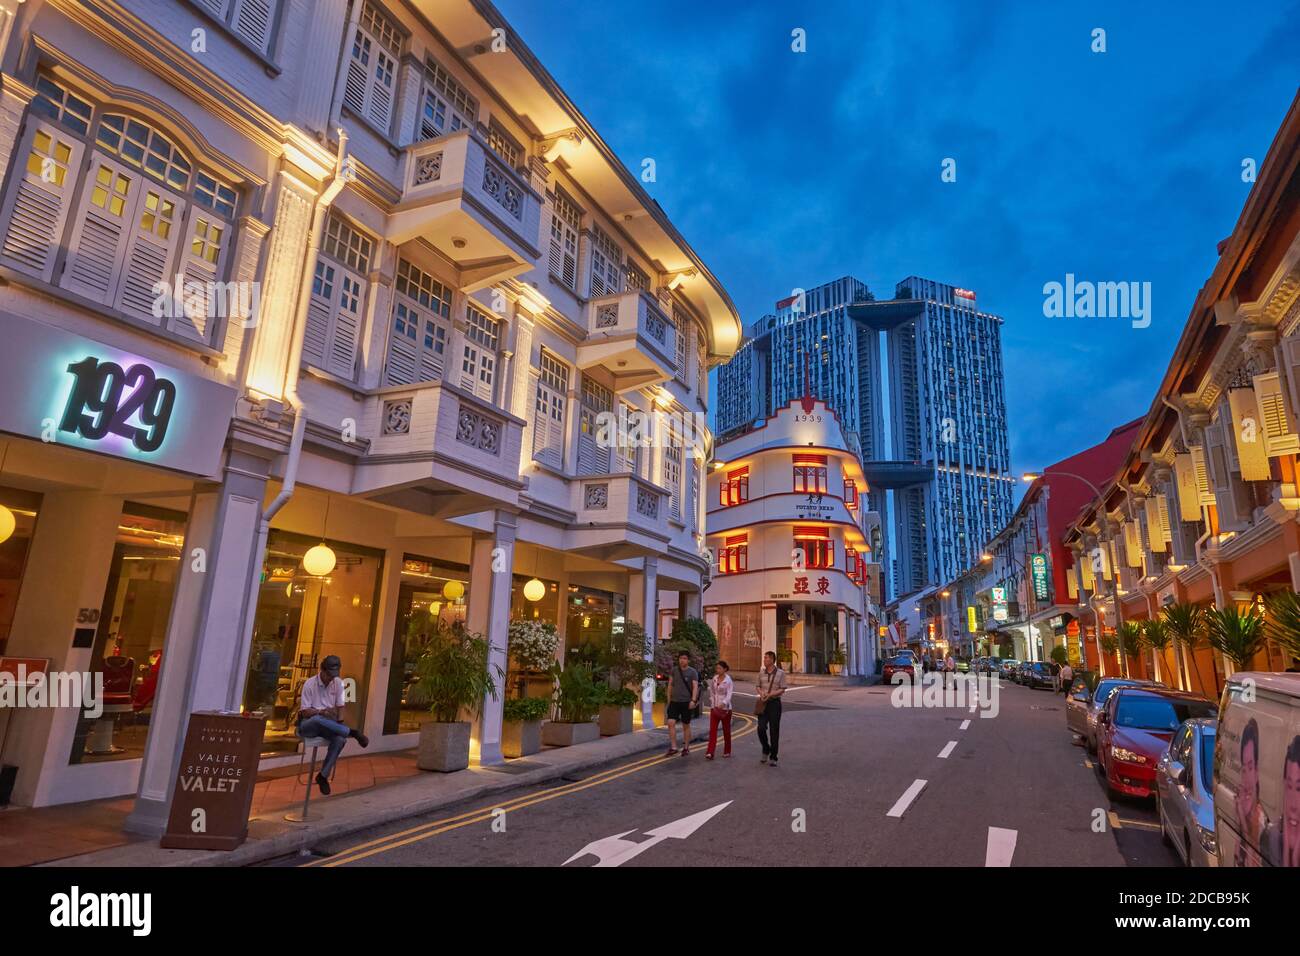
x=615 y=851
x=964 y=725
x=943 y=754
x=1001 y=847
x=910 y=794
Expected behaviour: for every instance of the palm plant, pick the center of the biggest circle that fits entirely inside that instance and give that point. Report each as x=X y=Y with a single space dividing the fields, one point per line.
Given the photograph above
x=577 y=693
x=1157 y=637
x=1282 y=620
x=1185 y=623
x=1235 y=634
x=1109 y=643
x=1130 y=640
x=453 y=673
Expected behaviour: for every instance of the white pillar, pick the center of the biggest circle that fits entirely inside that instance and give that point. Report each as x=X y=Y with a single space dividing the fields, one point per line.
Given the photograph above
x=492 y=560
x=643 y=608
x=204 y=660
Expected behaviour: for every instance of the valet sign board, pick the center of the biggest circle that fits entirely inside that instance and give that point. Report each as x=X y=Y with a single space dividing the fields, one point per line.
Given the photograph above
x=63 y=388
x=214 y=786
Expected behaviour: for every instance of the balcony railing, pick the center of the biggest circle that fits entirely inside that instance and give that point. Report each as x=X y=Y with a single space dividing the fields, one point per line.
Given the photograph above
x=630 y=335
x=619 y=516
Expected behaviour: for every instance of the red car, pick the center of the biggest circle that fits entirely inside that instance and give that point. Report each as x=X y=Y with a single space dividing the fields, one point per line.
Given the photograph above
x=1134 y=730
x=903 y=664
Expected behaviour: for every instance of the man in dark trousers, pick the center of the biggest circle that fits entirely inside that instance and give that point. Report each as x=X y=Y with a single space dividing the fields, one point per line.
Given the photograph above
x=683 y=695
x=771 y=685
x=321 y=714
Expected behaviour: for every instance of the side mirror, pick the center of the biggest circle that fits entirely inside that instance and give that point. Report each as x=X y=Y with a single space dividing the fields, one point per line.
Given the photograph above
x=1178 y=771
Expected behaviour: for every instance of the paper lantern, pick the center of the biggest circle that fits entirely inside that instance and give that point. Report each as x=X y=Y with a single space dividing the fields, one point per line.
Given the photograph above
x=7 y=523
x=453 y=590
x=534 y=590
x=319 y=561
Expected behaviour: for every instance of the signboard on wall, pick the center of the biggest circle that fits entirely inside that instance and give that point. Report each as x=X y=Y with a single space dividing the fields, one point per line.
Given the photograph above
x=1038 y=570
x=214 y=786
x=63 y=388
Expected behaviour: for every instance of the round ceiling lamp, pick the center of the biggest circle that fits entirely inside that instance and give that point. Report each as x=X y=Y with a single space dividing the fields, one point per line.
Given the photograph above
x=320 y=560
x=7 y=523
x=534 y=590
x=453 y=590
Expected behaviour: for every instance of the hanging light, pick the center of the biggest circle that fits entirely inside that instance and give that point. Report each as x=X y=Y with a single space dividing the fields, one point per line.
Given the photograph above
x=7 y=523
x=534 y=590
x=453 y=590
x=320 y=560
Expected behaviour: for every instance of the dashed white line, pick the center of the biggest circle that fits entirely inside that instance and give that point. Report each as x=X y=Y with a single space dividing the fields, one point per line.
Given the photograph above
x=910 y=794
x=1001 y=847
x=964 y=725
x=943 y=754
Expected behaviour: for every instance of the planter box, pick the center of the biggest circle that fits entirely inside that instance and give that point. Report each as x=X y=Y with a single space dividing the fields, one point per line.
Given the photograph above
x=615 y=720
x=835 y=669
x=557 y=733
x=519 y=738
x=660 y=713
x=443 y=747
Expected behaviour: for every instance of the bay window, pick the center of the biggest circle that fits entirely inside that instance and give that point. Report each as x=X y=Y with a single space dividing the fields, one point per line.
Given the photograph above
x=447 y=105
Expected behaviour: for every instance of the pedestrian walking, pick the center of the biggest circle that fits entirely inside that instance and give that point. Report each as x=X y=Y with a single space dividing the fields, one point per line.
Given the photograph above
x=720 y=688
x=949 y=669
x=1056 y=677
x=320 y=714
x=770 y=686
x=1067 y=677
x=683 y=695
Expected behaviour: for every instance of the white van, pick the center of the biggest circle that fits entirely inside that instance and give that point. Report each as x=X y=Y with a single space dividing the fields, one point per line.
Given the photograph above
x=1257 y=771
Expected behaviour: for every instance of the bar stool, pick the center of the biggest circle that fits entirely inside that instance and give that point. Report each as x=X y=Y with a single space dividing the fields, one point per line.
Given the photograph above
x=314 y=744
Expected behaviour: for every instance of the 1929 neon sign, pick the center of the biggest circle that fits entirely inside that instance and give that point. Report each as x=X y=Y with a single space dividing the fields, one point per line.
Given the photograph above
x=105 y=397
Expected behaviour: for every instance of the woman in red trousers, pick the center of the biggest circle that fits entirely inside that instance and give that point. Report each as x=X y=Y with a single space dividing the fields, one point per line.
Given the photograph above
x=720 y=709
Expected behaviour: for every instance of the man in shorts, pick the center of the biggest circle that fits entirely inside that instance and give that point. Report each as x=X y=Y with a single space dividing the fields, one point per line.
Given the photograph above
x=683 y=694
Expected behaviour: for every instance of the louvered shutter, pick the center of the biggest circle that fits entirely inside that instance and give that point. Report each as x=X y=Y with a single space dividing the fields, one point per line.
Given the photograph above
x=103 y=228
x=39 y=199
x=478 y=370
x=625 y=452
x=151 y=249
x=549 y=409
x=202 y=263
x=417 y=343
x=1132 y=544
x=1072 y=584
x=319 y=309
x=253 y=20
x=217 y=8
x=1249 y=435
x=349 y=306
x=1280 y=433
x=673 y=476
x=1189 y=500
x=1162 y=514
x=1204 y=491
x=1156 y=536
x=1231 y=516
x=354 y=88
x=1089 y=578
x=593 y=455
x=1290 y=370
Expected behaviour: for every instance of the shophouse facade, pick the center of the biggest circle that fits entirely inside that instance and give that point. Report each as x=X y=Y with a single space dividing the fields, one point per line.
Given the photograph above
x=413 y=284
x=793 y=545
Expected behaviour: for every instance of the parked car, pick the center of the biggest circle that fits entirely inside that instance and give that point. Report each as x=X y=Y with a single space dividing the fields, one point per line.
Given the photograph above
x=1100 y=694
x=896 y=667
x=1038 y=674
x=1185 y=793
x=1134 y=730
x=1021 y=671
x=1007 y=668
x=1077 y=699
x=1257 y=771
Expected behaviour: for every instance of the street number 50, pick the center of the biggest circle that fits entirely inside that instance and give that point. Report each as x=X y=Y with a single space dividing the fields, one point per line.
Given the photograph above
x=105 y=397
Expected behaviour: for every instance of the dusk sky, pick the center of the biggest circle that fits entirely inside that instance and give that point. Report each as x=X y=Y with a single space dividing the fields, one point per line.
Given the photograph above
x=789 y=169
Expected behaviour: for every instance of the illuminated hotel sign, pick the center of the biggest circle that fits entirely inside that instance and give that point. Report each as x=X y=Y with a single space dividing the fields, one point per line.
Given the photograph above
x=65 y=389
x=1038 y=569
x=964 y=293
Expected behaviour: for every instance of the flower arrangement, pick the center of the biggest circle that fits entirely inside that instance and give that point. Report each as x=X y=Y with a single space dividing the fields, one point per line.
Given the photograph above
x=533 y=644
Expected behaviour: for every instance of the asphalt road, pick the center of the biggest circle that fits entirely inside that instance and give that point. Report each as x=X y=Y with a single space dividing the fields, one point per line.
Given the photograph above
x=847 y=793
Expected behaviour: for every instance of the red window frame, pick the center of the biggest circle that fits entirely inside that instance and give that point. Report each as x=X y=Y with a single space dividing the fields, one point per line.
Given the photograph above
x=850 y=493
x=818 y=548
x=810 y=474
x=734 y=489
x=733 y=557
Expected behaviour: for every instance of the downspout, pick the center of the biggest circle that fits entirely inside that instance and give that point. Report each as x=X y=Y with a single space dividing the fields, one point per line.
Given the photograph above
x=290 y=480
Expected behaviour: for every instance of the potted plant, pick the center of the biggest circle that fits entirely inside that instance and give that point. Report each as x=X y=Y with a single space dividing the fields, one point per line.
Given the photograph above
x=521 y=733
x=616 y=705
x=659 y=710
x=453 y=677
x=532 y=652
x=577 y=701
x=835 y=660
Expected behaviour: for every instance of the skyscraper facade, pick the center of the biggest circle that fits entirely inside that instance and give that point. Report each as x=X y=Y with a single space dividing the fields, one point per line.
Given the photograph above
x=917 y=381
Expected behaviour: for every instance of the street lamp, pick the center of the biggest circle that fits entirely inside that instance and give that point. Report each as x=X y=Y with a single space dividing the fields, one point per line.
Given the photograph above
x=1031 y=476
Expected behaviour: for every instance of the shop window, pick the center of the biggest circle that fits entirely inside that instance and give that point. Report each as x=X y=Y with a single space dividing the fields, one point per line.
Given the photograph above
x=735 y=489
x=24 y=506
x=302 y=619
x=590 y=618
x=132 y=626
x=433 y=595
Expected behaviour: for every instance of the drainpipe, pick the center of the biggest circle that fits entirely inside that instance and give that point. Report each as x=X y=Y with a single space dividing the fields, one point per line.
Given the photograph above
x=290 y=481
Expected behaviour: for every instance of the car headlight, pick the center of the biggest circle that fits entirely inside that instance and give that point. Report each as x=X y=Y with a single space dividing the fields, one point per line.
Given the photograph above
x=1208 y=841
x=1128 y=756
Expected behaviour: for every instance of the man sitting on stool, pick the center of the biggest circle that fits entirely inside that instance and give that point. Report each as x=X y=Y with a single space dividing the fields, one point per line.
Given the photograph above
x=320 y=713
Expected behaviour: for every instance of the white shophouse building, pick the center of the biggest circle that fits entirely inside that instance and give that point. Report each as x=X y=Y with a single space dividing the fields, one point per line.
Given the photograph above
x=449 y=292
x=793 y=544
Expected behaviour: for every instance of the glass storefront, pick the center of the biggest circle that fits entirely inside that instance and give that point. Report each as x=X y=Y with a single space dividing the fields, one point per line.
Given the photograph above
x=23 y=505
x=740 y=636
x=300 y=620
x=129 y=637
x=433 y=594
x=821 y=635
x=590 y=618
x=547 y=610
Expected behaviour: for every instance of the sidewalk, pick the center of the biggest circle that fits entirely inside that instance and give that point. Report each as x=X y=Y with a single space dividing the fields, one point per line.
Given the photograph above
x=379 y=794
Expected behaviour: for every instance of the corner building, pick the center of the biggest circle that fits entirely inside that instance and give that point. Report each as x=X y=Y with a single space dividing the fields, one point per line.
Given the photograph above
x=412 y=276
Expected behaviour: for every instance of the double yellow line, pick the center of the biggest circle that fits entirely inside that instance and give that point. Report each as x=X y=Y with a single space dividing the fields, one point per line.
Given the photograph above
x=427 y=830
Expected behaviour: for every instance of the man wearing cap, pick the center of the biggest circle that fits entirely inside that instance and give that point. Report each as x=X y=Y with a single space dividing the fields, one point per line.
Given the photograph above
x=320 y=714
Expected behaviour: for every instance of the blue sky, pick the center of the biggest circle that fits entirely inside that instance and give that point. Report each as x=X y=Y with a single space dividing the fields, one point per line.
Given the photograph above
x=788 y=169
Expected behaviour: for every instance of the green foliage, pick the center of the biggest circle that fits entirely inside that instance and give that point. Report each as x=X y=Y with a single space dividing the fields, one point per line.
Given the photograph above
x=1109 y=643
x=1234 y=634
x=1156 y=635
x=1130 y=634
x=577 y=693
x=1282 y=620
x=526 y=708
x=533 y=644
x=1060 y=655
x=452 y=673
x=618 y=697
x=1185 y=623
x=836 y=656
x=693 y=631
x=622 y=661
